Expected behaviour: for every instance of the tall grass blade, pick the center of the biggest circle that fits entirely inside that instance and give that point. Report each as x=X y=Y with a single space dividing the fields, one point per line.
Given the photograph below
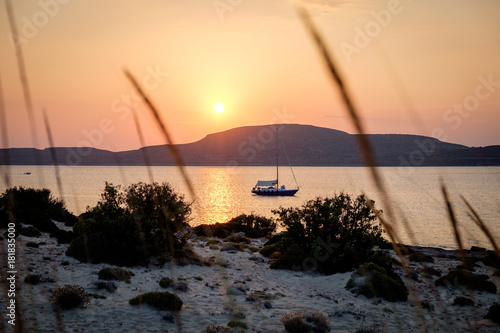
x=454 y=224
x=5 y=140
x=479 y=222
x=363 y=142
x=53 y=154
x=170 y=144
x=22 y=74
x=142 y=142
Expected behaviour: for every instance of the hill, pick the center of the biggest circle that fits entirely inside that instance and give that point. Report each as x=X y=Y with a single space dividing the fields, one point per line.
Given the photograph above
x=255 y=145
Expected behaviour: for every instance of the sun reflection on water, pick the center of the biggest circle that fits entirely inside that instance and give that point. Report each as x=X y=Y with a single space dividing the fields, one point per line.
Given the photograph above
x=218 y=198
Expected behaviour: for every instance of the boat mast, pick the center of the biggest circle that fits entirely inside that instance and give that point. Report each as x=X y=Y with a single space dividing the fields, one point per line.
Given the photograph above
x=277 y=175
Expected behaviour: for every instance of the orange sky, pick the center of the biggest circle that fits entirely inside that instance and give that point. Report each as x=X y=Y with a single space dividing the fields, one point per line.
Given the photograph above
x=419 y=67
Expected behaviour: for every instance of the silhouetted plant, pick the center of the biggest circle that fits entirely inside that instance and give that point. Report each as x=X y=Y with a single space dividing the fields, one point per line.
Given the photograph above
x=127 y=227
x=161 y=300
x=119 y=274
x=305 y=321
x=338 y=233
x=70 y=296
x=372 y=280
x=34 y=207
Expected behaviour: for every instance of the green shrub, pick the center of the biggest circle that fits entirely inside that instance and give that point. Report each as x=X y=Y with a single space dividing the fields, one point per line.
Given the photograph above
x=267 y=250
x=128 y=227
x=237 y=239
x=463 y=301
x=119 y=274
x=237 y=323
x=371 y=281
x=216 y=329
x=305 y=321
x=275 y=239
x=34 y=207
x=494 y=313
x=29 y=231
x=166 y=282
x=32 y=279
x=32 y=244
x=463 y=277
x=212 y=242
x=161 y=300
x=70 y=296
x=339 y=233
x=254 y=226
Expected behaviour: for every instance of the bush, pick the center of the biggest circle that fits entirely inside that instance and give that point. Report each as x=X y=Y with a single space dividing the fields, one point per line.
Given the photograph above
x=463 y=277
x=29 y=231
x=339 y=233
x=70 y=296
x=32 y=279
x=237 y=239
x=33 y=207
x=216 y=329
x=372 y=280
x=254 y=226
x=305 y=321
x=161 y=300
x=166 y=282
x=118 y=274
x=127 y=228
x=494 y=313
x=237 y=323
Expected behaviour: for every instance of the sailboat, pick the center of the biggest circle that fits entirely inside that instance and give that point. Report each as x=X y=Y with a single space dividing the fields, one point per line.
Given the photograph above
x=272 y=187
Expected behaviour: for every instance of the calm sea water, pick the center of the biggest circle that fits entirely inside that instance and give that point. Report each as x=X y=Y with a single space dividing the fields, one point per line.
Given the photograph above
x=223 y=192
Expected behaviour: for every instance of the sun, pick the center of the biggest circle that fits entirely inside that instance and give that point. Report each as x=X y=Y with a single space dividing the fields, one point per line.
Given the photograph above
x=219 y=107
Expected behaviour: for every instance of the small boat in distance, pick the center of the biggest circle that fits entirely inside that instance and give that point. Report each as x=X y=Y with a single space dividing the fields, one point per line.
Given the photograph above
x=272 y=187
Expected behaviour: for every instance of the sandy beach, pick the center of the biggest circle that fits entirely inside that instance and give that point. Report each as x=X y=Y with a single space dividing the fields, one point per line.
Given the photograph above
x=247 y=287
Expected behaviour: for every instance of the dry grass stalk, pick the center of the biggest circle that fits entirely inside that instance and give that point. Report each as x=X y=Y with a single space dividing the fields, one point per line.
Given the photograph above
x=479 y=222
x=454 y=224
x=53 y=154
x=22 y=75
x=163 y=128
x=5 y=140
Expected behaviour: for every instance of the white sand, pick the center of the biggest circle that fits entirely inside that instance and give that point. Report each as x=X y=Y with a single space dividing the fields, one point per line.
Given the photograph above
x=206 y=301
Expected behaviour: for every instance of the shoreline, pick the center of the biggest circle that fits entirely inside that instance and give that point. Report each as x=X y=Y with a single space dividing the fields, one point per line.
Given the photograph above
x=206 y=300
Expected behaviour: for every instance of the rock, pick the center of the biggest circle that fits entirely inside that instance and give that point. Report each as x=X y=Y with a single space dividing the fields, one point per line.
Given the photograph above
x=182 y=286
x=268 y=305
x=233 y=290
x=108 y=285
x=229 y=248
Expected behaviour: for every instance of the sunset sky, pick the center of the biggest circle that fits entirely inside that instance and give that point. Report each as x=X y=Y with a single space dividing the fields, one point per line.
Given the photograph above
x=414 y=67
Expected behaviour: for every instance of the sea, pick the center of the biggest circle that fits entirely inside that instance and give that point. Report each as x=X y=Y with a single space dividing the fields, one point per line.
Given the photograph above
x=412 y=201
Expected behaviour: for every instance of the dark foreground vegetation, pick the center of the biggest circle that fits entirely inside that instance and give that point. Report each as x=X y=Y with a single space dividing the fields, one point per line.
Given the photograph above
x=130 y=227
x=328 y=235
x=38 y=209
